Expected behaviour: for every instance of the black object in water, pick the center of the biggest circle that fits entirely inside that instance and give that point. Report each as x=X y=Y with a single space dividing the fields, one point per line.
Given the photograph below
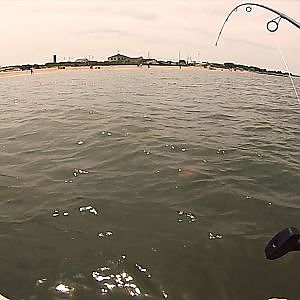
x=283 y=242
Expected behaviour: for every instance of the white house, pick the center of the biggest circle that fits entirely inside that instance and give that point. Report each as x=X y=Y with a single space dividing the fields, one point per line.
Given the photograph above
x=118 y=58
x=82 y=60
x=123 y=59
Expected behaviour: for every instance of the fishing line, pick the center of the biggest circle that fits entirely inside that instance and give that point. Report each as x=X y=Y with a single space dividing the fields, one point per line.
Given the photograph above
x=272 y=26
x=287 y=69
x=288 y=239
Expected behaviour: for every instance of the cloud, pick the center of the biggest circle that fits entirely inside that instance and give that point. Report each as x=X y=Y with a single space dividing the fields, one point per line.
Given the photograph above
x=103 y=31
x=128 y=11
x=137 y=14
x=248 y=43
x=78 y=28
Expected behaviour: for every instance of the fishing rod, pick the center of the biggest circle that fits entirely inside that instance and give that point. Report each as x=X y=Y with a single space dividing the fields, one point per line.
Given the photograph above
x=272 y=25
x=288 y=239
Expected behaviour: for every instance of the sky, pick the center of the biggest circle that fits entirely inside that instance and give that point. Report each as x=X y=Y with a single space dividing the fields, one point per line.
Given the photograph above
x=32 y=31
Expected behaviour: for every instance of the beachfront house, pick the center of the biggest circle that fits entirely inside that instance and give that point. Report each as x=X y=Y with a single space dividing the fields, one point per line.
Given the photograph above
x=82 y=60
x=123 y=59
x=150 y=61
x=118 y=58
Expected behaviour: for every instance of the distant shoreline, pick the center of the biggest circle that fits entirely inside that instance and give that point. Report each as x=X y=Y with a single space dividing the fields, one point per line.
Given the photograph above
x=124 y=60
x=51 y=69
x=17 y=73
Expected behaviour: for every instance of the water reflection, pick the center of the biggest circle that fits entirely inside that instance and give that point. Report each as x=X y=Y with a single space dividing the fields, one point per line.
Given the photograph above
x=187 y=178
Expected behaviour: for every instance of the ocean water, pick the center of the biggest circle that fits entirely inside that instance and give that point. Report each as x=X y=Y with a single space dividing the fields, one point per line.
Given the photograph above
x=157 y=183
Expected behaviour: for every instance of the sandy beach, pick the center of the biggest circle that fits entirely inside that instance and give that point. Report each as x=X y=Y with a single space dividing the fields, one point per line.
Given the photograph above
x=41 y=71
x=112 y=68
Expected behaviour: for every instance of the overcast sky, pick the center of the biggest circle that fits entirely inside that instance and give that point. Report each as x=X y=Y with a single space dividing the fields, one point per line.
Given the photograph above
x=32 y=31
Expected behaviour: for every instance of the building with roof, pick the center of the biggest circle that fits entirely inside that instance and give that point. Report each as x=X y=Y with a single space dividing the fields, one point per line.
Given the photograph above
x=118 y=58
x=123 y=59
x=150 y=61
x=82 y=60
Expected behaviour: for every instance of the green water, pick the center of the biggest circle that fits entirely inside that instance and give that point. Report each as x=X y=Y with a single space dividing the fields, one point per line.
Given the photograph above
x=147 y=183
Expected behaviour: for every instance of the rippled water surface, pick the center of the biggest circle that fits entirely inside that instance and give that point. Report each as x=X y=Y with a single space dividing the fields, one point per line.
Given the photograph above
x=147 y=183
